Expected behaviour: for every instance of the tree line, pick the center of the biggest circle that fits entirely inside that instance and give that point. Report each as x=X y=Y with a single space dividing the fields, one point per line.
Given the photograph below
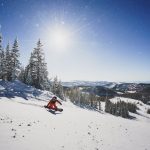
x=35 y=73
x=9 y=62
x=142 y=96
x=83 y=99
x=120 y=108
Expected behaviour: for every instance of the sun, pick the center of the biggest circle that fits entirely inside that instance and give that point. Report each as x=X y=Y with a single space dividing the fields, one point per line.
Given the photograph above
x=59 y=39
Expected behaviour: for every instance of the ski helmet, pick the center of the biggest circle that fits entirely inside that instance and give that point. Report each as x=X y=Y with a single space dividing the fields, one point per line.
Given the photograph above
x=54 y=97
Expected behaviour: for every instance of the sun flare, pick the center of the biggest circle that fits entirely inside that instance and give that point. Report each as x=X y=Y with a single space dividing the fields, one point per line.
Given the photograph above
x=60 y=39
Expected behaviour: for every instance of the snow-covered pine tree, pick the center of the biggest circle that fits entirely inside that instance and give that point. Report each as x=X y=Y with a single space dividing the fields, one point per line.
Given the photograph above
x=124 y=111
x=2 y=61
x=31 y=70
x=57 y=88
x=107 y=106
x=54 y=86
x=27 y=76
x=60 y=90
x=15 y=60
x=21 y=76
x=1 y=56
x=99 y=104
x=36 y=72
x=3 y=65
x=8 y=63
x=148 y=111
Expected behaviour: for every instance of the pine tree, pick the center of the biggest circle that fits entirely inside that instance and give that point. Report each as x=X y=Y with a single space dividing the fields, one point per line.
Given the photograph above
x=148 y=111
x=2 y=61
x=36 y=73
x=1 y=56
x=31 y=71
x=21 y=76
x=27 y=75
x=15 y=60
x=99 y=105
x=57 y=88
x=107 y=106
x=54 y=85
x=60 y=90
x=3 y=66
x=8 y=65
x=42 y=73
x=125 y=113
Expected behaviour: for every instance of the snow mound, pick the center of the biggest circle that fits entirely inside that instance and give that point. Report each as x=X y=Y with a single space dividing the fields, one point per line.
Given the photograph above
x=19 y=89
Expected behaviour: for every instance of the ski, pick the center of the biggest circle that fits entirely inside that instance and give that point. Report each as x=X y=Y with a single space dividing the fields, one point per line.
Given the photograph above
x=58 y=109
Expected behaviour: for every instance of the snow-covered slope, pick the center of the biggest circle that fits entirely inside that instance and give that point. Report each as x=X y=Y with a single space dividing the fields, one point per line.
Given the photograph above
x=17 y=88
x=26 y=125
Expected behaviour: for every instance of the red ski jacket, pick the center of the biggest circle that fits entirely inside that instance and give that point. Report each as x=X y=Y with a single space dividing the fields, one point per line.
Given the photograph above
x=52 y=104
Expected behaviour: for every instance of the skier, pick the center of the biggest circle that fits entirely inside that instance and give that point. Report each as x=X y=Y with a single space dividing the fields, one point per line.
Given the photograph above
x=52 y=104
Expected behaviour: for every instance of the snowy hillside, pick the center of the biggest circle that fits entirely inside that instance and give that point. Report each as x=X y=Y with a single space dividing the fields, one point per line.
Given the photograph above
x=17 y=88
x=27 y=125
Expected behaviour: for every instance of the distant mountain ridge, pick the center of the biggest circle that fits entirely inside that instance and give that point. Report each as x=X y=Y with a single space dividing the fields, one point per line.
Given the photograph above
x=90 y=83
x=115 y=86
x=101 y=83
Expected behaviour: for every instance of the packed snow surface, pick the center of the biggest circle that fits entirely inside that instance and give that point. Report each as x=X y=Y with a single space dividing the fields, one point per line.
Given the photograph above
x=26 y=125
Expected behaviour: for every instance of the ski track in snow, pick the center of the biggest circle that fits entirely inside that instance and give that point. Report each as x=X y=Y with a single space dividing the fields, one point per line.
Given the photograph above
x=25 y=125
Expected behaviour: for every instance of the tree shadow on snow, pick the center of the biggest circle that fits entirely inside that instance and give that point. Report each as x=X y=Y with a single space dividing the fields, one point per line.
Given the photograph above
x=142 y=115
x=19 y=89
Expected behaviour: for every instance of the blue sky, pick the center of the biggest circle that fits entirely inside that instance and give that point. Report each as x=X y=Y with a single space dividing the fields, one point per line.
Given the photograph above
x=83 y=39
